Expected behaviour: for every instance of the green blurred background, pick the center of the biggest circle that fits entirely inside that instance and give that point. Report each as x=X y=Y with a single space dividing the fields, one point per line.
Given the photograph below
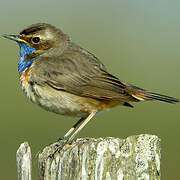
x=137 y=40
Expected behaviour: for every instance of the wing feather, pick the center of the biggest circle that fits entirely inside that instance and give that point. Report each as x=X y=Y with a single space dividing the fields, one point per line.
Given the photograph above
x=81 y=75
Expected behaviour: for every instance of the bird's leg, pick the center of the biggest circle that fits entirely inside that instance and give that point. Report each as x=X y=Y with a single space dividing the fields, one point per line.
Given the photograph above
x=72 y=129
x=84 y=122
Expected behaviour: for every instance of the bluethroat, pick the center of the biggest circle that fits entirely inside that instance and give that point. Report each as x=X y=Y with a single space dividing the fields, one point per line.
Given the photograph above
x=64 y=78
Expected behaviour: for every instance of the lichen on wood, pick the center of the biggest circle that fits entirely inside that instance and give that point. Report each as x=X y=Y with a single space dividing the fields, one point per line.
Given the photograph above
x=136 y=157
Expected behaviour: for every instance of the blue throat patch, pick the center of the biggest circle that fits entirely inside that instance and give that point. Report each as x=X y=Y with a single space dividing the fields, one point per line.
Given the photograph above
x=23 y=51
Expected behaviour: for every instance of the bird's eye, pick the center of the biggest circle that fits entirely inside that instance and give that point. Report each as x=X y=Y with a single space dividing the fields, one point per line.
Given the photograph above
x=35 y=40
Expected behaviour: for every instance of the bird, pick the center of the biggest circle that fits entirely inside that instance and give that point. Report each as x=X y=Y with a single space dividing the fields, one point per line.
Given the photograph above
x=64 y=78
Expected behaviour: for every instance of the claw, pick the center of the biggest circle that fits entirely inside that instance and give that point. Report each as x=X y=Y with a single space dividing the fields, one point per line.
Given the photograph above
x=61 y=138
x=58 y=148
x=51 y=155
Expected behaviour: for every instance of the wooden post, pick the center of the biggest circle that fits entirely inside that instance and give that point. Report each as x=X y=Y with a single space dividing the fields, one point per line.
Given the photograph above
x=23 y=159
x=136 y=157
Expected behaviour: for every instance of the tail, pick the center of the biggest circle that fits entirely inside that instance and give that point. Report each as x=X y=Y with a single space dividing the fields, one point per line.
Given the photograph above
x=141 y=95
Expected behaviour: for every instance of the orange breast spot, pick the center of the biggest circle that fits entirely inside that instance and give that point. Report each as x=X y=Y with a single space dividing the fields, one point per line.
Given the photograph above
x=25 y=75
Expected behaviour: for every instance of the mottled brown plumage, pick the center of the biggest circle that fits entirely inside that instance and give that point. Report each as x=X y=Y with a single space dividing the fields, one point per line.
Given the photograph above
x=67 y=79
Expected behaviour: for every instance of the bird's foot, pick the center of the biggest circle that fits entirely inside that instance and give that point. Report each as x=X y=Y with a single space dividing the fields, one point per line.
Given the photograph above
x=59 y=147
x=61 y=138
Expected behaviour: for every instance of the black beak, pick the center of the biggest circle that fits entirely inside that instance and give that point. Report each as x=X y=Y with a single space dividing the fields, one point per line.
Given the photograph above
x=12 y=37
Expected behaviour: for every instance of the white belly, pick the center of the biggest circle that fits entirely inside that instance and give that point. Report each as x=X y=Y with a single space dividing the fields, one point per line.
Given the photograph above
x=58 y=101
x=61 y=102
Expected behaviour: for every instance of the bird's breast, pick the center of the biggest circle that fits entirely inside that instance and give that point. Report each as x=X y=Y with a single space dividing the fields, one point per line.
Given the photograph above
x=60 y=102
x=25 y=85
x=24 y=77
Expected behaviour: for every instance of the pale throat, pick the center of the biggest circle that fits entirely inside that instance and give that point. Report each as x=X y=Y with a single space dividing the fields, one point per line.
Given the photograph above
x=24 y=50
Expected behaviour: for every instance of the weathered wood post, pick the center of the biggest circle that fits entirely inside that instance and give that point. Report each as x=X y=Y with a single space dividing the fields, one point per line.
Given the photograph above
x=23 y=158
x=136 y=157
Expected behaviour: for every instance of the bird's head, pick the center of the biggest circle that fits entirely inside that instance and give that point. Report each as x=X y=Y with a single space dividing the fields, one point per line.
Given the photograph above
x=39 y=38
x=36 y=40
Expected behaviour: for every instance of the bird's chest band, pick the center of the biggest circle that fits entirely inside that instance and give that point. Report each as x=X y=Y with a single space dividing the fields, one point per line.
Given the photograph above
x=24 y=77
